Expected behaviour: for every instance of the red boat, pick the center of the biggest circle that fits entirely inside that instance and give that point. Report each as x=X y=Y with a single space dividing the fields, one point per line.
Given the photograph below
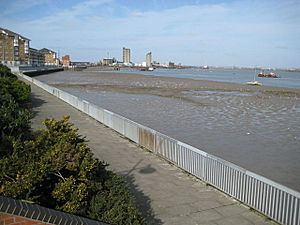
x=269 y=75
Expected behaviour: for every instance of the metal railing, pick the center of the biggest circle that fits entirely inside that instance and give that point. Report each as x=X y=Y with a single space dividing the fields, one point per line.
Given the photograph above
x=276 y=201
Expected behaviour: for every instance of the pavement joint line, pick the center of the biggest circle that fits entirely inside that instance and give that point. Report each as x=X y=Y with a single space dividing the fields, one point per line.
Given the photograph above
x=214 y=208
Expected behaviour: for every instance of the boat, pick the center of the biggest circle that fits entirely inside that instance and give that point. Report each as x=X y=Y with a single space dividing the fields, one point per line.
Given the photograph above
x=269 y=75
x=147 y=69
x=254 y=82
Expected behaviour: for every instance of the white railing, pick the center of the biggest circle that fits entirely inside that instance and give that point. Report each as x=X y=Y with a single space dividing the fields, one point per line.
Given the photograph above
x=276 y=201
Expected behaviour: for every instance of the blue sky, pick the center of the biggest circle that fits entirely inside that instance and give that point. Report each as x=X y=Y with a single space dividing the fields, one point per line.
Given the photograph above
x=221 y=33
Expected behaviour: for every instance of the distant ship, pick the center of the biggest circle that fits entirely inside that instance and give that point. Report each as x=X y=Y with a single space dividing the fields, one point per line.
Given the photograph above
x=269 y=75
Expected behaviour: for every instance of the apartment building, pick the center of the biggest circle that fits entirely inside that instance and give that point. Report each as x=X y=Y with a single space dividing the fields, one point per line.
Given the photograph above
x=50 y=57
x=14 y=48
x=36 y=58
x=66 y=61
x=126 y=56
x=149 y=59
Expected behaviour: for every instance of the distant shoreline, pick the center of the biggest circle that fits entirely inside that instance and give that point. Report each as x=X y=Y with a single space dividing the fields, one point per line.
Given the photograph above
x=139 y=84
x=286 y=80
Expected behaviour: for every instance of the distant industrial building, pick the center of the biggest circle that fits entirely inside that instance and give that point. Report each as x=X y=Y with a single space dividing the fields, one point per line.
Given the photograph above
x=156 y=64
x=171 y=65
x=126 y=56
x=14 y=48
x=149 y=59
x=108 y=61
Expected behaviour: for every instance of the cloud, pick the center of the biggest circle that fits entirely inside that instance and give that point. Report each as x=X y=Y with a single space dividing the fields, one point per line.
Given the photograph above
x=239 y=32
x=22 y=5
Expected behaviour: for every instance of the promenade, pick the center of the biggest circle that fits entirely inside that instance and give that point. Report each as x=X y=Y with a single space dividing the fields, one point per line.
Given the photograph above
x=164 y=193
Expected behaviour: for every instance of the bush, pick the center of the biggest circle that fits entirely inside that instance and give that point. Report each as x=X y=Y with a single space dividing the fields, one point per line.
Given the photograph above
x=14 y=119
x=17 y=89
x=114 y=204
x=57 y=169
x=6 y=72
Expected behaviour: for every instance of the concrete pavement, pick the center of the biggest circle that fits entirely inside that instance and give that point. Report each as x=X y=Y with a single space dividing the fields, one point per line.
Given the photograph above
x=164 y=193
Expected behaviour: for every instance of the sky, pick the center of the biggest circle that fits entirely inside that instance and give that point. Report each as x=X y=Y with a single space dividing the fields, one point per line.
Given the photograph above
x=218 y=33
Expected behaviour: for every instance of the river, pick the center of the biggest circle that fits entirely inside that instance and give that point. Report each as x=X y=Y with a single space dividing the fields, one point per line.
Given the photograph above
x=287 y=79
x=257 y=128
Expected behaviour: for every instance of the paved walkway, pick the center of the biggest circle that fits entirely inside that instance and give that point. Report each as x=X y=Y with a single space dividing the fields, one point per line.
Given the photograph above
x=165 y=194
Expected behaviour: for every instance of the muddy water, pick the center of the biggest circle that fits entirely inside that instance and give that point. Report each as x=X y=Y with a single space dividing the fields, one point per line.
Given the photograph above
x=251 y=128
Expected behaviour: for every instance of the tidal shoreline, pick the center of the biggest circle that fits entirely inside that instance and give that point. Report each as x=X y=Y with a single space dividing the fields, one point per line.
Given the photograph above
x=254 y=127
x=161 y=86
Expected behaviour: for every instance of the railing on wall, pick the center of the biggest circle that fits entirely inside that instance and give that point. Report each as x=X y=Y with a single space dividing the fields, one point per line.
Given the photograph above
x=276 y=201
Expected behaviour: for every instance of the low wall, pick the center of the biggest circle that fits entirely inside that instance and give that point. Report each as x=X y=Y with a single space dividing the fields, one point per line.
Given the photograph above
x=16 y=212
x=34 y=70
x=276 y=201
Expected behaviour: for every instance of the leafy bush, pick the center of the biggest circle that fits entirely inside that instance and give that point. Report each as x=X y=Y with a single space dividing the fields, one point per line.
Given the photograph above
x=14 y=119
x=6 y=72
x=17 y=89
x=114 y=203
x=57 y=169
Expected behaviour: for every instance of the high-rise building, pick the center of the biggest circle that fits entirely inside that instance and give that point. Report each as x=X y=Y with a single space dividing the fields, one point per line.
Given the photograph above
x=14 y=48
x=149 y=59
x=126 y=55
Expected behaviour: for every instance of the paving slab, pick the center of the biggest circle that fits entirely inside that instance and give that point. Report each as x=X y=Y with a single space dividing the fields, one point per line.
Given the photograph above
x=164 y=193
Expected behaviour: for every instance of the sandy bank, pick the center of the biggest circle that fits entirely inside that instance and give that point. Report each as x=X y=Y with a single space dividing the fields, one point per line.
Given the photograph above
x=160 y=86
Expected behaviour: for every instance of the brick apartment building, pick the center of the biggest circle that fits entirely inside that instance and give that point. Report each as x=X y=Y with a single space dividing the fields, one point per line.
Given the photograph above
x=66 y=62
x=36 y=57
x=14 y=48
x=50 y=57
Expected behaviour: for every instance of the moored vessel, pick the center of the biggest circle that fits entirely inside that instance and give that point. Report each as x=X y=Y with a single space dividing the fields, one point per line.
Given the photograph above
x=269 y=75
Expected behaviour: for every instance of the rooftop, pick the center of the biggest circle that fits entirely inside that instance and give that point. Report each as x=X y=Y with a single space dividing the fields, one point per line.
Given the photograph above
x=11 y=33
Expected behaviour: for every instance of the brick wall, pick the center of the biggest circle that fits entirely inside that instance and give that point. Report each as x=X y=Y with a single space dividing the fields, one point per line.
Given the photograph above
x=15 y=212
x=9 y=219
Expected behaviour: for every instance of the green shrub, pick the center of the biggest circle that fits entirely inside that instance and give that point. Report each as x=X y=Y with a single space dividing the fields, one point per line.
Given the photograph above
x=57 y=169
x=113 y=204
x=6 y=72
x=17 y=89
x=14 y=119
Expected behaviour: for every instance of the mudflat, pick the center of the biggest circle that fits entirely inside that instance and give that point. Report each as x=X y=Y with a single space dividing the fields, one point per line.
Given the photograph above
x=256 y=127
